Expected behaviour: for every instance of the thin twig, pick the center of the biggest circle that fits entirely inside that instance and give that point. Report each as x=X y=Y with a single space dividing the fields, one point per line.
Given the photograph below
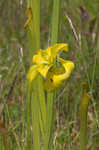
x=73 y=29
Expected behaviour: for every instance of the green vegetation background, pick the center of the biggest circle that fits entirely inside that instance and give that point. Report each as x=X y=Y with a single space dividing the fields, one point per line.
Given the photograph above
x=14 y=64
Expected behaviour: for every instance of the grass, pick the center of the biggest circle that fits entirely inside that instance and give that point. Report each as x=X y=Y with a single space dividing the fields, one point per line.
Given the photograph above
x=83 y=50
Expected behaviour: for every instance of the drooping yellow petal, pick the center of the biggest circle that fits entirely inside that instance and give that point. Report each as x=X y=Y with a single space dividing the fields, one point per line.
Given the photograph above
x=68 y=66
x=48 y=55
x=56 y=76
x=55 y=49
x=43 y=69
x=32 y=73
x=41 y=57
x=48 y=83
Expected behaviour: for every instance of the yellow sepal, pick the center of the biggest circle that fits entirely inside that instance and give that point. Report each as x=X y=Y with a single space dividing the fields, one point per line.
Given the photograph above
x=32 y=73
x=56 y=76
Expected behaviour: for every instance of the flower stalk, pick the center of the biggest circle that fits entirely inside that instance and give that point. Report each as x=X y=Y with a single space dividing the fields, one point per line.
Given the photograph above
x=37 y=98
x=83 y=118
x=50 y=95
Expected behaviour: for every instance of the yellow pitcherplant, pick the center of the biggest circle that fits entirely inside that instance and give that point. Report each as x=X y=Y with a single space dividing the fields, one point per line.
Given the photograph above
x=44 y=63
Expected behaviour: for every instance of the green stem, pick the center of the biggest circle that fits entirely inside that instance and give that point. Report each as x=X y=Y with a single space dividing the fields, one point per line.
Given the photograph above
x=50 y=95
x=42 y=100
x=38 y=107
x=33 y=26
x=42 y=112
x=49 y=121
x=55 y=22
x=83 y=118
x=35 y=118
x=28 y=113
x=35 y=5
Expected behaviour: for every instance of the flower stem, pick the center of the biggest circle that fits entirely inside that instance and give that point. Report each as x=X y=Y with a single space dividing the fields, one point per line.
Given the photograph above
x=35 y=117
x=38 y=110
x=50 y=95
x=83 y=118
x=55 y=21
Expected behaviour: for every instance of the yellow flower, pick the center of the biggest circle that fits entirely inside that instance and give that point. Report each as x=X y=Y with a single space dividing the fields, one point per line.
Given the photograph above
x=43 y=63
